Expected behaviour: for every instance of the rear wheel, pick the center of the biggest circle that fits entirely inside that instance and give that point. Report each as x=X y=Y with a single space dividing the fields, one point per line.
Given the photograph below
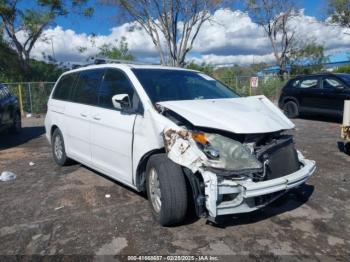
x=58 y=149
x=291 y=109
x=17 y=124
x=166 y=190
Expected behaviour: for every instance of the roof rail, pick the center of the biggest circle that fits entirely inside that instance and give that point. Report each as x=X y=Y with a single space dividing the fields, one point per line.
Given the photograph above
x=103 y=60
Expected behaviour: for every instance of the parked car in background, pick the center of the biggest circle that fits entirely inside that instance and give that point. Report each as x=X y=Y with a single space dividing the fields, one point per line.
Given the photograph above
x=10 y=115
x=180 y=135
x=316 y=94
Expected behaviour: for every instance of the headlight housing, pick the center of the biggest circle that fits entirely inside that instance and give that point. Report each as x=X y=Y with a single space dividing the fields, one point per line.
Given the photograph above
x=226 y=153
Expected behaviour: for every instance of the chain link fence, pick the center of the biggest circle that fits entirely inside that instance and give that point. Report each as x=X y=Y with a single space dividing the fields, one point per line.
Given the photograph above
x=269 y=86
x=33 y=96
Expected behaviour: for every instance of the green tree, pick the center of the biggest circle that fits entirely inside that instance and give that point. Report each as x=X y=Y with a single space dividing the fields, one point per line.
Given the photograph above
x=343 y=69
x=258 y=67
x=307 y=59
x=44 y=72
x=116 y=52
x=339 y=11
x=31 y=22
x=205 y=68
x=9 y=63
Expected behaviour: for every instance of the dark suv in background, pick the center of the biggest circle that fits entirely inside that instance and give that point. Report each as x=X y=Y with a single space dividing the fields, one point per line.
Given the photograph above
x=10 y=115
x=318 y=94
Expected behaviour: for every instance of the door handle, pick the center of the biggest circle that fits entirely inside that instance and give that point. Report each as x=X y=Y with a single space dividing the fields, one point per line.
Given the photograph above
x=83 y=114
x=96 y=117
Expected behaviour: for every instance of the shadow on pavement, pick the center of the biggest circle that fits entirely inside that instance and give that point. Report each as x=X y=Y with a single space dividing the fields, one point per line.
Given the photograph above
x=28 y=133
x=322 y=118
x=288 y=202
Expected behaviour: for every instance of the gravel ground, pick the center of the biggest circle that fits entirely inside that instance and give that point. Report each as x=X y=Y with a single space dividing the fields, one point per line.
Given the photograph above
x=49 y=210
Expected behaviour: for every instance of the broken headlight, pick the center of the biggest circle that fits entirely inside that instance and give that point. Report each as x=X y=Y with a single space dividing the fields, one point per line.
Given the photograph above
x=226 y=153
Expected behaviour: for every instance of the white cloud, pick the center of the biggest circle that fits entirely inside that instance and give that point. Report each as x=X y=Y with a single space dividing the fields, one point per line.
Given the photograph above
x=231 y=37
x=235 y=59
x=66 y=43
x=231 y=33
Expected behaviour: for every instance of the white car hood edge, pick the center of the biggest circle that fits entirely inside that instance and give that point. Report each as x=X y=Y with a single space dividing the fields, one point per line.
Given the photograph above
x=243 y=115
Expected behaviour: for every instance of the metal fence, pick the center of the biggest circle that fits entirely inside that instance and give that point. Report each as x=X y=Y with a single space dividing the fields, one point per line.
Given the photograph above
x=33 y=96
x=270 y=86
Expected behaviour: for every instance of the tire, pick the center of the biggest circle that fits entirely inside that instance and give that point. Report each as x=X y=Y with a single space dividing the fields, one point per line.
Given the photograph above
x=172 y=190
x=16 y=127
x=291 y=109
x=58 y=148
x=347 y=148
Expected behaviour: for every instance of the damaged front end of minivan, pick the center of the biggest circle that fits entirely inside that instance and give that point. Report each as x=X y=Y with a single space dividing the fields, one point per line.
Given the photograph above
x=231 y=173
x=238 y=177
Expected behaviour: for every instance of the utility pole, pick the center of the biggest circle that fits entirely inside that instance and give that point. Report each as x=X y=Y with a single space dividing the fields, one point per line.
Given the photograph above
x=52 y=49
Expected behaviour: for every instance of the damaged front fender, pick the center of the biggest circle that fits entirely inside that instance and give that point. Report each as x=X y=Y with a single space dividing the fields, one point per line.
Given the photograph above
x=182 y=149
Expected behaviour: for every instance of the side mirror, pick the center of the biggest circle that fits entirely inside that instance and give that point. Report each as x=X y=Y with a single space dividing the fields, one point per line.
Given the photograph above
x=121 y=101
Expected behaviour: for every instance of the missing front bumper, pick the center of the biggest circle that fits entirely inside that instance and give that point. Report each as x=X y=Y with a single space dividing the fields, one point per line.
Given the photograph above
x=231 y=197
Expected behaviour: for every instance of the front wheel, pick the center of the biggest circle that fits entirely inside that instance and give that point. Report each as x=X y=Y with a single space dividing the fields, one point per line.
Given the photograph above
x=291 y=109
x=166 y=190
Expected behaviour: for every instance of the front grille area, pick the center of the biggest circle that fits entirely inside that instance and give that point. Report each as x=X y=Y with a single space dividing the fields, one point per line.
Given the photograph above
x=280 y=157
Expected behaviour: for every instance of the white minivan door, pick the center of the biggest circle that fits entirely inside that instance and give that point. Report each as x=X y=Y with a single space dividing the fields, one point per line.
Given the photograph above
x=78 y=114
x=112 y=129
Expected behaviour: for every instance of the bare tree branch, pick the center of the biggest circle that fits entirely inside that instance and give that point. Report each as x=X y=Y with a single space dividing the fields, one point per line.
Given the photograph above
x=274 y=17
x=173 y=25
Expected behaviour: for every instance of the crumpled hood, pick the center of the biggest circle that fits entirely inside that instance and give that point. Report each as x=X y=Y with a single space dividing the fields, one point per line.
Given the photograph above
x=244 y=115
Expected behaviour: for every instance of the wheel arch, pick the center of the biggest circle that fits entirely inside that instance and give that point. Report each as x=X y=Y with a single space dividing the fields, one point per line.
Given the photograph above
x=194 y=182
x=140 y=179
x=290 y=98
x=52 y=130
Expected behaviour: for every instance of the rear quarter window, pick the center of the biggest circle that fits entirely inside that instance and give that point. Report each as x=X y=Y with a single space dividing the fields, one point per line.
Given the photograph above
x=291 y=84
x=64 y=87
x=295 y=83
x=88 y=84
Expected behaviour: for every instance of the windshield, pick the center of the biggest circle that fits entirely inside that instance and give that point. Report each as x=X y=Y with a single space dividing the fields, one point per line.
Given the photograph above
x=345 y=77
x=171 y=85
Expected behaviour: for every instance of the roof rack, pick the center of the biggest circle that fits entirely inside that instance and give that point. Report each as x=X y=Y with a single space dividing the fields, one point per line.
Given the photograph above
x=103 y=60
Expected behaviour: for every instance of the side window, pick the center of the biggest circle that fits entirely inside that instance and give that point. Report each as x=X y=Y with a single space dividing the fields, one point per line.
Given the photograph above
x=64 y=87
x=309 y=83
x=115 y=82
x=86 y=90
x=295 y=83
x=331 y=83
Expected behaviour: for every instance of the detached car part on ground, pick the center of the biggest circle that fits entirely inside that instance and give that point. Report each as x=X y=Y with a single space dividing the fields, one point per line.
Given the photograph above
x=181 y=136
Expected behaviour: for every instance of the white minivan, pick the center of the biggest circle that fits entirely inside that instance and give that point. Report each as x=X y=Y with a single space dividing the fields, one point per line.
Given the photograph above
x=179 y=135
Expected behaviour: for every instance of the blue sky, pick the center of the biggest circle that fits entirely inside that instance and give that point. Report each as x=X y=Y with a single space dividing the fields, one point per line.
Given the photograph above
x=235 y=39
x=105 y=17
